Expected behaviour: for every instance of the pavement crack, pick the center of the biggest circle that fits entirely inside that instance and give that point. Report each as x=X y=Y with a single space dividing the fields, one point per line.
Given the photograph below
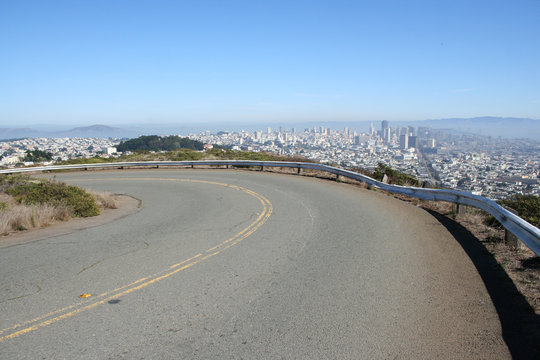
x=146 y=246
x=23 y=296
x=241 y=223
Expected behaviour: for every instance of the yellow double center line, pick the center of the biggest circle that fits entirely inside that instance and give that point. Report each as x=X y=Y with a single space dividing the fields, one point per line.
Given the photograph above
x=69 y=311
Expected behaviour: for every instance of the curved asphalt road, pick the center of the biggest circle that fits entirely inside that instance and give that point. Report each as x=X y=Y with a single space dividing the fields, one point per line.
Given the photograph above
x=241 y=265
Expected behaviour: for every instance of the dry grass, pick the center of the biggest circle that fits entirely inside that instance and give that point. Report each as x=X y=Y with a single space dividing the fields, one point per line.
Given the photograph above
x=103 y=199
x=23 y=217
x=18 y=217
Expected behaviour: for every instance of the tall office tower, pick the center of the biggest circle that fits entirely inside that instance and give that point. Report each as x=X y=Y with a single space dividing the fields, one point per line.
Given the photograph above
x=357 y=140
x=269 y=130
x=384 y=125
x=410 y=130
x=371 y=129
x=404 y=141
x=387 y=135
x=346 y=131
x=385 y=130
x=413 y=142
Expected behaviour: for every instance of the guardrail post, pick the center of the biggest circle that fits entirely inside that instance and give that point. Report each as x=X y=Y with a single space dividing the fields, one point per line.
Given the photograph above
x=262 y=168
x=337 y=177
x=509 y=238
x=299 y=168
x=461 y=209
x=227 y=166
x=192 y=166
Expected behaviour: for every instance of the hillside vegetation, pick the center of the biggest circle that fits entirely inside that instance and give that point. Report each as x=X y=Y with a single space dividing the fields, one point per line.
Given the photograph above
x=37 y=156
x=394 y=176
x=56 y=194
x=527 y=207
x=158 y=143
x=32 y=203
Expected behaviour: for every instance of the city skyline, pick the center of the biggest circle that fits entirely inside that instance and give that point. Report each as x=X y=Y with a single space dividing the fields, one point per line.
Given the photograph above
x=508 y=128
x=123 y=62
x=496 y=168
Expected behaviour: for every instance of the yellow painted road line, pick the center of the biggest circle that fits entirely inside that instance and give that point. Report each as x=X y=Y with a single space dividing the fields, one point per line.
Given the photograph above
x=65 y=312
x=185 y=261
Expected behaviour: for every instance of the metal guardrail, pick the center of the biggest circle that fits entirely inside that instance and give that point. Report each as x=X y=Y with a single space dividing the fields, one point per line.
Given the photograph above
x=527 y=233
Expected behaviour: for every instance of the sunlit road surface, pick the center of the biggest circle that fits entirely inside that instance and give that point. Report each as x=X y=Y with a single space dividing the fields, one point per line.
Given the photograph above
x=237 y=264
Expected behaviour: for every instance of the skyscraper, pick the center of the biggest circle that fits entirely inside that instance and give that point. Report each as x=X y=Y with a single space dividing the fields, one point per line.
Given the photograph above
x=384 y=126
x=404 y=141
x=385 y=130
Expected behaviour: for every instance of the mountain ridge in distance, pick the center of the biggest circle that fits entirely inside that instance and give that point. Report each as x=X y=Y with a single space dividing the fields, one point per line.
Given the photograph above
x=506 y=127
x=92 y=131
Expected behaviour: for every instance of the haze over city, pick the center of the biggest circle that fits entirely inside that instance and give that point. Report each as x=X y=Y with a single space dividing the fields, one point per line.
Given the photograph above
x=74 y=63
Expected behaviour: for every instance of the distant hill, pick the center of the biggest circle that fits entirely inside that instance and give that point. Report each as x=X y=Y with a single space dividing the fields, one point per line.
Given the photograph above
x=94 y=131
x=13 y=133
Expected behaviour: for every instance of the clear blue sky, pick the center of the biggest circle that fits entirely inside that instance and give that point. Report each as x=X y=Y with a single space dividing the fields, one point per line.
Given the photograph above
x=116 y=62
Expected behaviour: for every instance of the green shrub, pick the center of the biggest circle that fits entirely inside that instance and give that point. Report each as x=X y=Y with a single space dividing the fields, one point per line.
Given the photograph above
x=10 y=181
x=526 y=206
x=56 y=194
x=394 y=176
x=3 y=206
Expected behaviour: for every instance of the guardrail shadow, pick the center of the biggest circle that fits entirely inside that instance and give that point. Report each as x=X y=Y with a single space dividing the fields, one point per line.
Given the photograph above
x=520 y=325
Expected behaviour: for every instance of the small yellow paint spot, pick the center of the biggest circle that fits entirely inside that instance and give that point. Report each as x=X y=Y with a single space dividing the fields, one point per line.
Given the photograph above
x=84 y=295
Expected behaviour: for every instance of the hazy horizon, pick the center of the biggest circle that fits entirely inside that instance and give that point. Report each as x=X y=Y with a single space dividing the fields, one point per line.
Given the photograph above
x=489 y=126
